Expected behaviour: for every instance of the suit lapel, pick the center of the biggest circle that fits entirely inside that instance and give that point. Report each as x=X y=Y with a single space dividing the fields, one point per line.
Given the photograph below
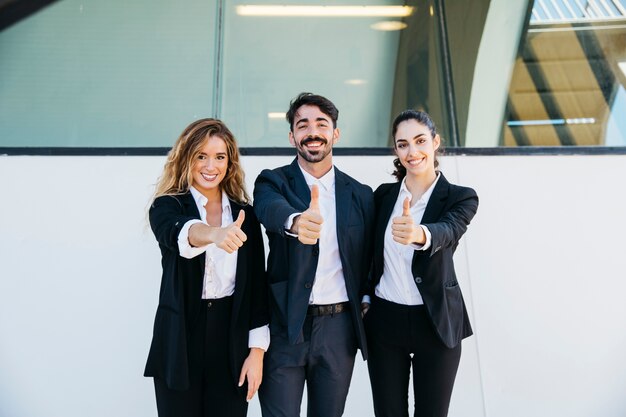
x=298 y=184
x=189 y=204
x=241 y=272
x=343 y=205
x=386 y=208
x=437 y=201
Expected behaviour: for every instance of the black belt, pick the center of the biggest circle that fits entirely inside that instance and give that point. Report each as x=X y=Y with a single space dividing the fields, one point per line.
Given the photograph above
x=327 y=309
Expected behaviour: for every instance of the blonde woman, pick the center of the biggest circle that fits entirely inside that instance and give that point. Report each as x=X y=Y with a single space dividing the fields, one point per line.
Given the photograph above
x=210 y=330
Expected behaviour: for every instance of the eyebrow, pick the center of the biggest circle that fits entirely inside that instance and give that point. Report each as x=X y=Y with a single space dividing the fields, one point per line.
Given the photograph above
x=319 y=119
x=414 y=137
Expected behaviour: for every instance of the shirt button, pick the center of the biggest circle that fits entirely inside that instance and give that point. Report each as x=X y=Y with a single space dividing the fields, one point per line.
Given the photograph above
x=418 y=280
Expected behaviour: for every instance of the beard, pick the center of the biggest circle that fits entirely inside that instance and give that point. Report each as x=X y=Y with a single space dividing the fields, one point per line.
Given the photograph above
x=313 y=156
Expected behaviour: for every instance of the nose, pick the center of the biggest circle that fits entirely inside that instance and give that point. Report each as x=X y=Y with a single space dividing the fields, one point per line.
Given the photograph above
x=208 y=163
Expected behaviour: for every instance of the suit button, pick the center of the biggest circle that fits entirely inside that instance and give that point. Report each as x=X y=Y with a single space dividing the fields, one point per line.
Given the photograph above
x=316 y=251
x=308 y=285
x=209 y=304
x=418 y=280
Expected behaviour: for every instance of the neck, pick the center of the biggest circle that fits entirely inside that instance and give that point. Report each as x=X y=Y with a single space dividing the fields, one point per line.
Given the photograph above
x=316 y=169
x=418 y=184
x=213 y=195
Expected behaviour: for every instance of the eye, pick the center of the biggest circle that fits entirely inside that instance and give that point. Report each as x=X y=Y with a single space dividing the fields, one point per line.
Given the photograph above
x=201 y=157
x=421 y=140
x=401 y=145
x=301 y=127
x=221 y=157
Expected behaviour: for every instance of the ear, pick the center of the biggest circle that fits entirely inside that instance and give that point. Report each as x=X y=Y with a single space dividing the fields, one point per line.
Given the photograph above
x=436 y=141
x=292 y=140
x=336 y=135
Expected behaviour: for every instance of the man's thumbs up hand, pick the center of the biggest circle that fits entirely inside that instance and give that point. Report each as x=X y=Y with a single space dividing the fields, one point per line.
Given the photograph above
x=308 y=225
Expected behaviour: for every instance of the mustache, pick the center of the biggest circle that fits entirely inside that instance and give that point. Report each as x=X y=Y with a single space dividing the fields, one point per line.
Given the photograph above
x=313 y=139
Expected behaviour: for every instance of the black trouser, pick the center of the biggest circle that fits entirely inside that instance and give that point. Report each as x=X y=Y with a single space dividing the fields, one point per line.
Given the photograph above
x=325 y=360
x=212 y=391
x=400 y=337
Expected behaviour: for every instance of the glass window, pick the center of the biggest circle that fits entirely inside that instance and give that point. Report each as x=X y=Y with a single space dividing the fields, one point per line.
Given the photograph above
x=568 y=81
x=107 y=73
x=372 y=58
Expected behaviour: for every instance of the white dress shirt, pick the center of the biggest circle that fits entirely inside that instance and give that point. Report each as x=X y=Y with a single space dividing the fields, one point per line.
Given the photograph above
x=329 y=286
x=220 y=266
x=396 y=283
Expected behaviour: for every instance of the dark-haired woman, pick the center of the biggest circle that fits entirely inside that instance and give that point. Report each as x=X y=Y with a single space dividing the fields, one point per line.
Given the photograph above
x=417 y=316
x=210 y=330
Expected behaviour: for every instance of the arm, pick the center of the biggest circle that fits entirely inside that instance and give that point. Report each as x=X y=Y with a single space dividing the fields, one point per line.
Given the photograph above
x=452 y=225
x=270 y=204
x=167 y=218
x=258 y=339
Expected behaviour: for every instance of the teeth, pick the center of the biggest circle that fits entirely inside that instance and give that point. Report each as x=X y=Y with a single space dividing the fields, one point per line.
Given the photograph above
x=209 y=177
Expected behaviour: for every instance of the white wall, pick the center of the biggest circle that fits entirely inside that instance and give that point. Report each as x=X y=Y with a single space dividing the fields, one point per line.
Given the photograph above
x=542 y=268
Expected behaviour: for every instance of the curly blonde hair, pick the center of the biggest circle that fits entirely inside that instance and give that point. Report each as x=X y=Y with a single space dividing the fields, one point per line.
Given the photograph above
x=177 y=176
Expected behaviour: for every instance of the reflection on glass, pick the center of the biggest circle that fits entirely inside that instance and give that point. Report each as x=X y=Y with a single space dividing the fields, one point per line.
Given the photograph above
x=372 y=58
x=567 y=87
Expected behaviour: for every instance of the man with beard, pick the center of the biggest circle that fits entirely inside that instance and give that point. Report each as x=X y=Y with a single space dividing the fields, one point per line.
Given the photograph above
x=319 y=224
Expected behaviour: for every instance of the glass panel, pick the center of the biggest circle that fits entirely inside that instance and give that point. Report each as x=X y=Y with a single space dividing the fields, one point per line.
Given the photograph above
x=107 y=73
x=568 y=83
x=371 y=67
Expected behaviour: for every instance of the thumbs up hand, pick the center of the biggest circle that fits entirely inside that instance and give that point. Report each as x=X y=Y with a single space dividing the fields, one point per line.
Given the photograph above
x=231 y=237
x=308 y=225
x=404 y=230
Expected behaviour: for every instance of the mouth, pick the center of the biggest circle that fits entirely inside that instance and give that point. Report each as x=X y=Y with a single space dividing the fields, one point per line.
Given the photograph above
x=415 y=162
x=313 y=143
x=208 y=177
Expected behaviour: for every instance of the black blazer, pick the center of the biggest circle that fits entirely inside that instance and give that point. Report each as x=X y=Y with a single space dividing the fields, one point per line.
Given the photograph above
x=181 y=291
x=291 y=265
x=447 y=215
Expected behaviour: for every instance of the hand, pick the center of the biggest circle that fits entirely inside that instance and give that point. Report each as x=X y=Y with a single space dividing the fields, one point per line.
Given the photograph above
x=252 y=370
x=308 y=225
x=230 y=238
x=404 y=230
x=364 y=309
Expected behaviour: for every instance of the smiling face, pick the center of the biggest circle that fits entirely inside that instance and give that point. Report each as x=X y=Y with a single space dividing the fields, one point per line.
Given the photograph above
x=313 y=136
x=210 y=166
x=416 y=148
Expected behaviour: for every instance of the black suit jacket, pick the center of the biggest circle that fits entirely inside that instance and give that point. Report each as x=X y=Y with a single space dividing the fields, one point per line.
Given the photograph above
x=181 y=291
x=447 y=215
x=291 y=265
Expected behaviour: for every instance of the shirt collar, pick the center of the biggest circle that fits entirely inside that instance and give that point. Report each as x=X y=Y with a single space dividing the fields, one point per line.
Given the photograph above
x=201 y=200
x=327 y=181
x=426 y=196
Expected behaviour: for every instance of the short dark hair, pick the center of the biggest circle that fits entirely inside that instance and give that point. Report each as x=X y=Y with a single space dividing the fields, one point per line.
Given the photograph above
x=422 y=118
x=309 y=99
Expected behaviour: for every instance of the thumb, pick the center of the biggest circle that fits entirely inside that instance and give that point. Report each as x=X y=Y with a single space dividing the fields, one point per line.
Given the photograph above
x=242 y=375
x=406 y=207
x=315 y=198
x=240 y=218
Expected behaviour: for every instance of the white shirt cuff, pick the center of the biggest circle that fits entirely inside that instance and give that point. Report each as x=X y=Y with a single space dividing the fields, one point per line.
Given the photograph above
x=366 y=299
x=289 y=224
x=426 y=244
x=184 y=247
x=259 y=338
